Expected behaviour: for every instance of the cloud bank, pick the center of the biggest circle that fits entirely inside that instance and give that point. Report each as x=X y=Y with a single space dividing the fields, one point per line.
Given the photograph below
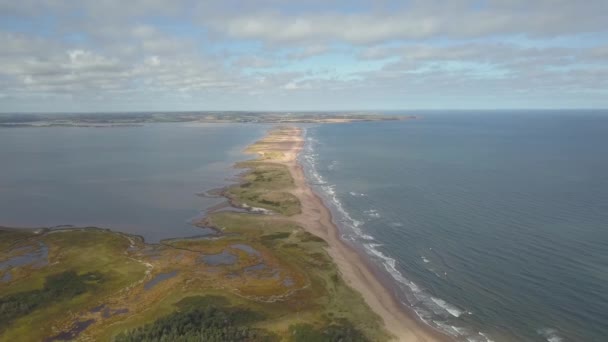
x=284 y=55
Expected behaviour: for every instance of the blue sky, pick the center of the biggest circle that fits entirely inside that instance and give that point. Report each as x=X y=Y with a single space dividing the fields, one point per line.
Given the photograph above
x=60 y=55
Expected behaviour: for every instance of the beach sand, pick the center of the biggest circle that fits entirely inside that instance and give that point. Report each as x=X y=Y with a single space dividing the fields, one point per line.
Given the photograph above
x=355 y=270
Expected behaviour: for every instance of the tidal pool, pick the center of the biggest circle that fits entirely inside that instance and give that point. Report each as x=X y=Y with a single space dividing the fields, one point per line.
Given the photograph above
x=158 y=278
x=223 y=258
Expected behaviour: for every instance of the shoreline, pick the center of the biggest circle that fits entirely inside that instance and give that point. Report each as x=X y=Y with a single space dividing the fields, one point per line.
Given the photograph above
x=356 y=270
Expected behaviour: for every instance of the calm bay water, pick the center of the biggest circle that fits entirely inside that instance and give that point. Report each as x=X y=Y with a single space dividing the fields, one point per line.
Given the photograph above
x=493 y=226
x=141 y=180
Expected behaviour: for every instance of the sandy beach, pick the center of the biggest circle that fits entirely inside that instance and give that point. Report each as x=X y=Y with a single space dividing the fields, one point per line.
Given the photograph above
x=356 y=271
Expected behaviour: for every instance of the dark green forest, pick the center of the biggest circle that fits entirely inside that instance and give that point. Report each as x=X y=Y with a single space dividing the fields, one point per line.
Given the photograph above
x=210 y=319
x=341 y=331
x=210 y=323
x=57 y=287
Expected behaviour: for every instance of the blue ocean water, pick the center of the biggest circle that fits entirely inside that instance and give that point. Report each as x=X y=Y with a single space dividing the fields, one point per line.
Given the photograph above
x=492 y=226
x=140 y=180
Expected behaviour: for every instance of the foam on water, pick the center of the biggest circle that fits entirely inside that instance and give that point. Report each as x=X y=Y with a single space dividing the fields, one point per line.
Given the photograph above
x=357 y=194
x=551 y=334
x=451 y=309
x=486 y=338
x=372 y=213
x=478 y=338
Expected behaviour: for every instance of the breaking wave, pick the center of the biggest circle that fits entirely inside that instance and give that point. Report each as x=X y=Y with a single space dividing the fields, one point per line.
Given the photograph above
x=552 y=335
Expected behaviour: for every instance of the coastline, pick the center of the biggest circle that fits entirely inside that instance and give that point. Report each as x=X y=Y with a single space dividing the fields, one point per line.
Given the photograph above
x=355 y=269
x=281 y=244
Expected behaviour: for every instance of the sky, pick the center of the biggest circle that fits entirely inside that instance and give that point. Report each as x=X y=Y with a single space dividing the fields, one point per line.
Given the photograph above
x=168 y=55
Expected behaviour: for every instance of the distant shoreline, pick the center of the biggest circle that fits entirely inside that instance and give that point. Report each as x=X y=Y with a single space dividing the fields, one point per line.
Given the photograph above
x=109 y=120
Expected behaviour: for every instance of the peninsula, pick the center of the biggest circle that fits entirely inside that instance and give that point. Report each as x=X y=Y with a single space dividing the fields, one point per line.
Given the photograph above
x=276 y=270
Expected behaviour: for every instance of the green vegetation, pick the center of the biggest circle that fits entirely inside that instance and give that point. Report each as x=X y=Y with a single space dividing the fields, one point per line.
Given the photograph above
x=87 y=269
x=275 y=236
x=57 y=287
x=8 y=237
x=84 y=266
x=201 y=323
x=266 y=186
x=325 y=298
x=341 y=331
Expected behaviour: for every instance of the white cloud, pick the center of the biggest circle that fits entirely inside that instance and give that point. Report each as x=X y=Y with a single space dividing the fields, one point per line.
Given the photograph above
x=152 y=61
x=423 y=19
x=351 y=28
x=253 y=62
x=159 y=51
x=309 y=50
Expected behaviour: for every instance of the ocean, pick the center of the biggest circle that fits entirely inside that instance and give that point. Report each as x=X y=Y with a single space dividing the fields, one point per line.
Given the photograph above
x=491 y=226
x=139 y=180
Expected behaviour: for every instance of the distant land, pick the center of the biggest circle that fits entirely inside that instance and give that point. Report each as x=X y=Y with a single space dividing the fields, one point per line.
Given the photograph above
x=130 y=119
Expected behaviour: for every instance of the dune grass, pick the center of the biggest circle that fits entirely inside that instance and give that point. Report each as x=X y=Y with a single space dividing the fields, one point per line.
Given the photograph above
x=266 y=185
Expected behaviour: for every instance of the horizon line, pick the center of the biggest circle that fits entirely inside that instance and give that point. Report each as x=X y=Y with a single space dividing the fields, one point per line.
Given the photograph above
x=297 y=111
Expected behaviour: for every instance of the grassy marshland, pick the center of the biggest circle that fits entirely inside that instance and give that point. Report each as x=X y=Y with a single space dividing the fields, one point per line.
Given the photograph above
x=261 y=278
